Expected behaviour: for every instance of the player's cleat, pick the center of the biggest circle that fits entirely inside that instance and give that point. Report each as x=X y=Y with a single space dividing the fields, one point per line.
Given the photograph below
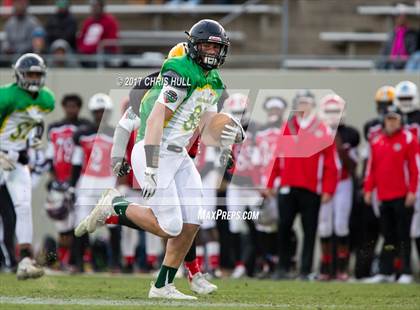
x=28 y=269
x=102 y=210
x=81 y=229
x=405 y=279
x=238 y=272
x=200 y=285
x=169 y=291
x=379 y=278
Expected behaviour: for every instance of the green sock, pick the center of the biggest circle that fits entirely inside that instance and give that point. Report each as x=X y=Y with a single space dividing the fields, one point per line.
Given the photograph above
x=120 y=205
x=166 y=276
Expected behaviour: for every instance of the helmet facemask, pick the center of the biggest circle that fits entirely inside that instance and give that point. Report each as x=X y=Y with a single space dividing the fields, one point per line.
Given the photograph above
x=30 y=84
x=206 y=60
x=406 y=104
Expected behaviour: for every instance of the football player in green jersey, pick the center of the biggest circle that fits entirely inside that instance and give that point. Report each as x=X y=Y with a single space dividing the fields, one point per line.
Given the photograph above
x=23 y=105
x=170 y=112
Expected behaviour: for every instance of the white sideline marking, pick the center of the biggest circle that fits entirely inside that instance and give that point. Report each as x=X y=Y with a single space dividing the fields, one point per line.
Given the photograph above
x=21 y=300
x=115 y=302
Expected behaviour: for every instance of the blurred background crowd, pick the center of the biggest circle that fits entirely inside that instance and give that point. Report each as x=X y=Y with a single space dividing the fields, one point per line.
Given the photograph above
x=285 y=34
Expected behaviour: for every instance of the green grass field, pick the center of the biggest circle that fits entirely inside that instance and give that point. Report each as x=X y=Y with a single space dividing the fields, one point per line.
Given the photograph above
x=130 y=292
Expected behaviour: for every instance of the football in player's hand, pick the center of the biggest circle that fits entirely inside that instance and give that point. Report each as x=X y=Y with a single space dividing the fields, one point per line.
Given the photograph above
x=213 y=130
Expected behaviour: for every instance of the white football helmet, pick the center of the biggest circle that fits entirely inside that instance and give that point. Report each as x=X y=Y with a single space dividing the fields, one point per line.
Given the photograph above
x=407 y=96
x=236 y=105
x=100 y=101
x=331 y=110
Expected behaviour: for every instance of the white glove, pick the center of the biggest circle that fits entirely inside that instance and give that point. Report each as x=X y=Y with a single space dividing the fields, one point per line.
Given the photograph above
x=150 y=182
x=232 y=134
x=7 y=163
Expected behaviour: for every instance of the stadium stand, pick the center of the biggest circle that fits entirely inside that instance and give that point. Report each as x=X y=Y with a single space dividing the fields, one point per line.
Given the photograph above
x=355 y=31
x=156 y=9
x=350 y=39
x=388 y=10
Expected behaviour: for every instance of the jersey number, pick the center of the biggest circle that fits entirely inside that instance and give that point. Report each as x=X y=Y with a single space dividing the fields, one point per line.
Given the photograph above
x=192 y=122
x=22 y=131
x=64 y=149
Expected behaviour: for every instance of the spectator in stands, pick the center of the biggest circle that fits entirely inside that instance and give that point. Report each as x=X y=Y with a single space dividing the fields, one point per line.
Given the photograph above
x=96 y=28
x=18 y=29
x=39 y=45
x=62 y=55
x=62 y=25
x=400 y=45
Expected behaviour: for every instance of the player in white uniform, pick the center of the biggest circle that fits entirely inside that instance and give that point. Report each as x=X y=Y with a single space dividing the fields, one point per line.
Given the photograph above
x=169 y=117
x=92 y=171
x=266 y=225
x=334 y=216
x=23 y=106
x=241 y=192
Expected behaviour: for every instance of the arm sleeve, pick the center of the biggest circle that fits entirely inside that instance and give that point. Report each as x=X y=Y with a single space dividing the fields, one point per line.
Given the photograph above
x=120 y=141
x=129 y=121
x=331 y=168
x=369 y=181
x=413 y=167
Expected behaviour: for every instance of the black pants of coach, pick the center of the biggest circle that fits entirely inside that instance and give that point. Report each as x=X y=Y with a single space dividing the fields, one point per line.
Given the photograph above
x=307 y=204
x=395 y=222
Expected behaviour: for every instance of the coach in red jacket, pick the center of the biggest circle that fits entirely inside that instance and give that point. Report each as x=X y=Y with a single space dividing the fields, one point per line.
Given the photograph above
x=392 y=170
x=308 y=167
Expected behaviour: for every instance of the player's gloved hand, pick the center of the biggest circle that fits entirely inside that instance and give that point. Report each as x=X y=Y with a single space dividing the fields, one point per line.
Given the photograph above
x=226 y=158
x=232 y=134
x=120 y=167
x=150 y=182
x=8 y=162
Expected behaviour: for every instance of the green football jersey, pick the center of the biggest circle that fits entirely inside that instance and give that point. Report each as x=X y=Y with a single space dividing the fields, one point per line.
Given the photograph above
x=199 y=93
x=19 y=114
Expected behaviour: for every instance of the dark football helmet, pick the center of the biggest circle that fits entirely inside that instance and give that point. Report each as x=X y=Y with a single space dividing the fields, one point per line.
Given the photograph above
x=30 y=63
x=207 y=31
